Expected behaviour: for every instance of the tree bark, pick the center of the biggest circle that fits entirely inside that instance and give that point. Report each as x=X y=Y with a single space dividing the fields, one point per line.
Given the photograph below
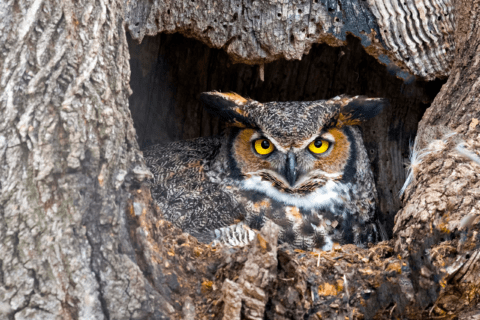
x=80 y=237
x=68 y=154
x=410 y=37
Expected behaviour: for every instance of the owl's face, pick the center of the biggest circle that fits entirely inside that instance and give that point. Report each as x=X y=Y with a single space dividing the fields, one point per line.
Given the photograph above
x=299 y=153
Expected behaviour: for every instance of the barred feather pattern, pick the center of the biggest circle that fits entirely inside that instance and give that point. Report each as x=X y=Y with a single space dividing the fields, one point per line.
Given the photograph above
x=237 y=235
x=220 y=189
x=194 y=190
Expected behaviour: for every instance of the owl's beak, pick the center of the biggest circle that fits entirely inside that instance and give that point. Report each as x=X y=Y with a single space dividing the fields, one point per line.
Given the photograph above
x=290 y=170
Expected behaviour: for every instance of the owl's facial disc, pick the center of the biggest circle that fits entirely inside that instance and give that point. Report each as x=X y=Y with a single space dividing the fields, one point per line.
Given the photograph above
x=296 y=168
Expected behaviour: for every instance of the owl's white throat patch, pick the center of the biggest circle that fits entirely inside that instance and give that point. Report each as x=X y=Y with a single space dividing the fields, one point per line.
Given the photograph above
x=325 y=197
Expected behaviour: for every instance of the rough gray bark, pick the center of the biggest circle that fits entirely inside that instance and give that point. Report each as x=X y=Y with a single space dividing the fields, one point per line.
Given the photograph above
x=80 y=238
x=67 y=154
x=412 y=37
x=443 y=200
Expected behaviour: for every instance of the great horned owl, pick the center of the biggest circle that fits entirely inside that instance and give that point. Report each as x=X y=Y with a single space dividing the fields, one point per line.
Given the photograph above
x=302 y=165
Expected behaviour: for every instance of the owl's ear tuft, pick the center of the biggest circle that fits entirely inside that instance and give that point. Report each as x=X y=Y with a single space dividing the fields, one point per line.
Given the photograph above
x=228 y=106
x=359 y=108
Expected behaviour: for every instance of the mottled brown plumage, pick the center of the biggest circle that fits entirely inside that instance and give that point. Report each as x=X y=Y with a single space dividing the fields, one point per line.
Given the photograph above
x=302 y=165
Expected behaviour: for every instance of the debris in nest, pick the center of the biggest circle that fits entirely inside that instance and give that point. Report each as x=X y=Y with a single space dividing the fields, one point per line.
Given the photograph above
x=188 y=309
x=462 y=149
x=327 y=289
x=467 y=221
x=418 y=156
x=258 y=272
x=474 y=123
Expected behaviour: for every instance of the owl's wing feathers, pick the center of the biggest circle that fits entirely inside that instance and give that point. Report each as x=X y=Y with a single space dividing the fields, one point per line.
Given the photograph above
x=182 y=190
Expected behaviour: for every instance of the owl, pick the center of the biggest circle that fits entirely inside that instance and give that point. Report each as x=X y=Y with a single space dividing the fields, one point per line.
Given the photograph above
x=301 y=165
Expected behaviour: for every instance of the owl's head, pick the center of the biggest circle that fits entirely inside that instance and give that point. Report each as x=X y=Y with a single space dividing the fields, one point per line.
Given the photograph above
x=294 y=152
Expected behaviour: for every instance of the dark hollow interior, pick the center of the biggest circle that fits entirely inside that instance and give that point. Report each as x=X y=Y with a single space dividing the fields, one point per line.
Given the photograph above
x=169 y=72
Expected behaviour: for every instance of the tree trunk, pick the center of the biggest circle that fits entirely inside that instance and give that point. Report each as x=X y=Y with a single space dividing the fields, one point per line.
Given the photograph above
x=68 y=156
x=80 y=237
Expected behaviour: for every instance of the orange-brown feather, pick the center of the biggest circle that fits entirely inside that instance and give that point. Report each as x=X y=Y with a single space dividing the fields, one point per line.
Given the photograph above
x=345 y=119
x=239 y=101
x=293 y=213
x=237 y=124
x=338 y=157
x=232 y=96
x=244 y=154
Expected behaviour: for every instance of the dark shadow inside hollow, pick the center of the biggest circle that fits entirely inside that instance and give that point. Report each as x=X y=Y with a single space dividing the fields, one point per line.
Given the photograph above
x=170 y=71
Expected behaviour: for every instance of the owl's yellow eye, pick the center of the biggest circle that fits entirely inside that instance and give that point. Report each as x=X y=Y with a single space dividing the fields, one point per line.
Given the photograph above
x=263 y=146
x=318 y=146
